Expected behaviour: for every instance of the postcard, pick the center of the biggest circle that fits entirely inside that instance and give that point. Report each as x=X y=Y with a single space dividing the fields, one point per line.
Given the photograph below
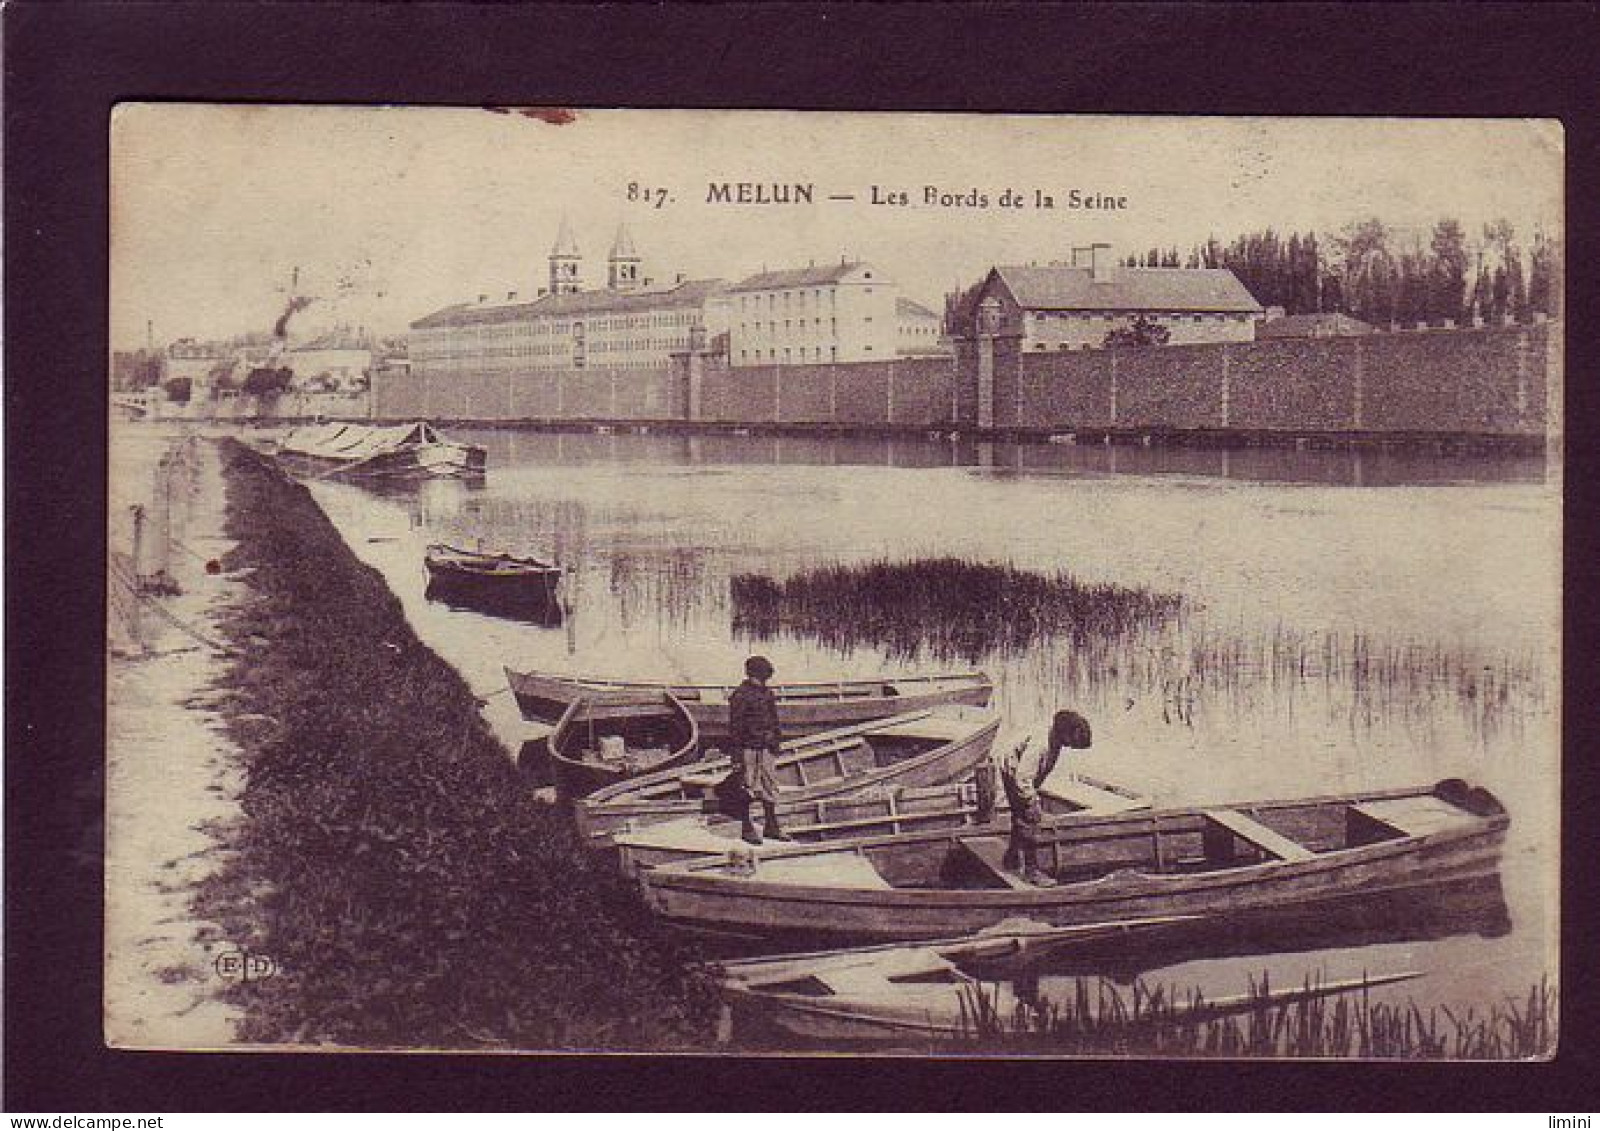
x=759 y=582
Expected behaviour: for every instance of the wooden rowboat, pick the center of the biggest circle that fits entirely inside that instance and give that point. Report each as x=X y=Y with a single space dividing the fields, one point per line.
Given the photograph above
x=1217 y=860
x=601 y=741
x=857 y=816
x=492 y=582
x=803 y=708
x=948 y=989
x=931 y=747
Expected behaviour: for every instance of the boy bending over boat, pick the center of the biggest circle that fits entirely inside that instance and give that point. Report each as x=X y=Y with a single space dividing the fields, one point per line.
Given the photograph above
x=754 y=736
x=1023 y=770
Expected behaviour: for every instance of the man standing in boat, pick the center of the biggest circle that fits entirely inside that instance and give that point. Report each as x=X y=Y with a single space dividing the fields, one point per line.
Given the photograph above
x=754 y=736
x=1023 y=769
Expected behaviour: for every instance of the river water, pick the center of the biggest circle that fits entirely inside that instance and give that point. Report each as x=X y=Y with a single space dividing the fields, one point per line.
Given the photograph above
x=1349 y=620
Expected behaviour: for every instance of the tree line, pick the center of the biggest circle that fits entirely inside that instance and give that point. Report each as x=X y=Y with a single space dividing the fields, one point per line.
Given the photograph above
x=1367 y=270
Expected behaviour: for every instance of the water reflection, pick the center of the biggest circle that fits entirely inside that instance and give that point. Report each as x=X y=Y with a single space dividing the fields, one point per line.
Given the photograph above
x=1473 y=908
x=1360 y=467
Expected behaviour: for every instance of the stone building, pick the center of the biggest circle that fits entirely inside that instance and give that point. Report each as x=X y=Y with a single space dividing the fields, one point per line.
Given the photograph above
x=848 y=311
x=806 y=315
x=920 y=331
x=633 y=323
x=1061 y=307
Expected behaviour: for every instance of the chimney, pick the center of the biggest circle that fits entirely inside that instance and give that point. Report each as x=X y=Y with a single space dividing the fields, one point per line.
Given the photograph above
x=1080 y=257
x=483 y=299
x=511 y=296
x=1100 y=265
x=678 y=278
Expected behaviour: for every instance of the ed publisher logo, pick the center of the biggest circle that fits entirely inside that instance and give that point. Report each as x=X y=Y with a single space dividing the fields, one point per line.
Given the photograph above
x=241 y=965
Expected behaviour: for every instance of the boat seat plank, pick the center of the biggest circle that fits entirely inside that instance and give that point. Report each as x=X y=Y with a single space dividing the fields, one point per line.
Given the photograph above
x=1086 y=796
x=828 y=869
x=1248 y=829
x=990 y=851
x=679 y=836
x=704 y=779
x=1414 y=816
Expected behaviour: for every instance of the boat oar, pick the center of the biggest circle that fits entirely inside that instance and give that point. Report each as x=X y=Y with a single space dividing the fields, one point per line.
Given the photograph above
x=1244 y=1003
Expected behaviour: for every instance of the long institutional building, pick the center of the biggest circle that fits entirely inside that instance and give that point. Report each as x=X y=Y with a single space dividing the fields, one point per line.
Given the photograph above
x=805 y=316
x=844 y=312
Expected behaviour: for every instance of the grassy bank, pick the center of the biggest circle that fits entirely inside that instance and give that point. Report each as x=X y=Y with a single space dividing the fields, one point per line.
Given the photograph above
x=391 y=860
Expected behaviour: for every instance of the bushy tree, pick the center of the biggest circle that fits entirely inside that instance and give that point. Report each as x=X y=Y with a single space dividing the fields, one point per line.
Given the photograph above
x=267 y=381
x=1140 y=332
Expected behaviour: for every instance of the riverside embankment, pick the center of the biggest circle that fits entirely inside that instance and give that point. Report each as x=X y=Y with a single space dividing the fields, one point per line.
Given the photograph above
x=393 y=864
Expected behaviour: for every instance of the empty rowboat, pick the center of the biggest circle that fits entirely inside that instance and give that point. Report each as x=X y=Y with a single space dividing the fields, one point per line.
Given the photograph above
x=608 y=739
x=955 y=989
x=803 y=708
x=1214 y=861
x=929 y=747
x=872 y=813
x=492 y=582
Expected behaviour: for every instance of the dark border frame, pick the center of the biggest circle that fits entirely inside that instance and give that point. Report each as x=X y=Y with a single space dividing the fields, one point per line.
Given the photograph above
x=67 y=64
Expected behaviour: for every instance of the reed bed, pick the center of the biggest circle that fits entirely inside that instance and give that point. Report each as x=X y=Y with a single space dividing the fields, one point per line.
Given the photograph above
x=948 y=609
x=1099 y=1019
x=1100 y=641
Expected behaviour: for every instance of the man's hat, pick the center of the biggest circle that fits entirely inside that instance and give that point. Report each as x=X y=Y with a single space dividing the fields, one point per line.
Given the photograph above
x=758 y=667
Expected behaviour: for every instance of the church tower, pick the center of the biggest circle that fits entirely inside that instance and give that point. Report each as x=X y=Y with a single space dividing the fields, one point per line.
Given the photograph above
x=622 y=267
x=564 y=261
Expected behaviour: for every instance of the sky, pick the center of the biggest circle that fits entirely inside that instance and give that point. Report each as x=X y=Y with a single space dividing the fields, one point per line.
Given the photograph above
x=391 y=213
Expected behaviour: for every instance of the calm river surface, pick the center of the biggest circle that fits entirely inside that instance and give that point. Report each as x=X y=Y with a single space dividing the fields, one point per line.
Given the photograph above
x=1349 y=621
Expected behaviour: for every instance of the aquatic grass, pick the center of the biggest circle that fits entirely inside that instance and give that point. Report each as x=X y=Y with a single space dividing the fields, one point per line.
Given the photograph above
x=390 y=858
x=949 y=608
x=1096 y=1018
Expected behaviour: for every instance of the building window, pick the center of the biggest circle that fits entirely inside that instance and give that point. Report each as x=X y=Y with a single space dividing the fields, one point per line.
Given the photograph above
x=1197 y=318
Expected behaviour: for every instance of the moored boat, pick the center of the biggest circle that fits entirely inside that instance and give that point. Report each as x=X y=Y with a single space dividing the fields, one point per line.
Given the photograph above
x=874 y=812
x=954 y=989
x=803 y=708
x=365 y=451
x=1212 y=861
x=938 y=745
x=608 y=739
x=492 y=582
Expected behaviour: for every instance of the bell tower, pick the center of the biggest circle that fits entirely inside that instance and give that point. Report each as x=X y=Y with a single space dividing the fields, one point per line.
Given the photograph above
x=564 y=261
x=622 y=266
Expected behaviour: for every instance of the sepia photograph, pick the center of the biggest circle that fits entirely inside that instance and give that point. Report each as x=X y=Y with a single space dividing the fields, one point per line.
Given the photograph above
x=780 y=583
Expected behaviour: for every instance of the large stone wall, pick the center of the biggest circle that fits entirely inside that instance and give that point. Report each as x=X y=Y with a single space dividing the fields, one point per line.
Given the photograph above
x=1484 y=381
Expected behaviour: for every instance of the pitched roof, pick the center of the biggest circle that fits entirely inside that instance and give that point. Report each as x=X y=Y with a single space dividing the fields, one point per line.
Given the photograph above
x=904 y=306
x=797 y=277
x=1314 y=326
x=566 y=243
x=694 y=292
x=1129 y=288
x=622 y=246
